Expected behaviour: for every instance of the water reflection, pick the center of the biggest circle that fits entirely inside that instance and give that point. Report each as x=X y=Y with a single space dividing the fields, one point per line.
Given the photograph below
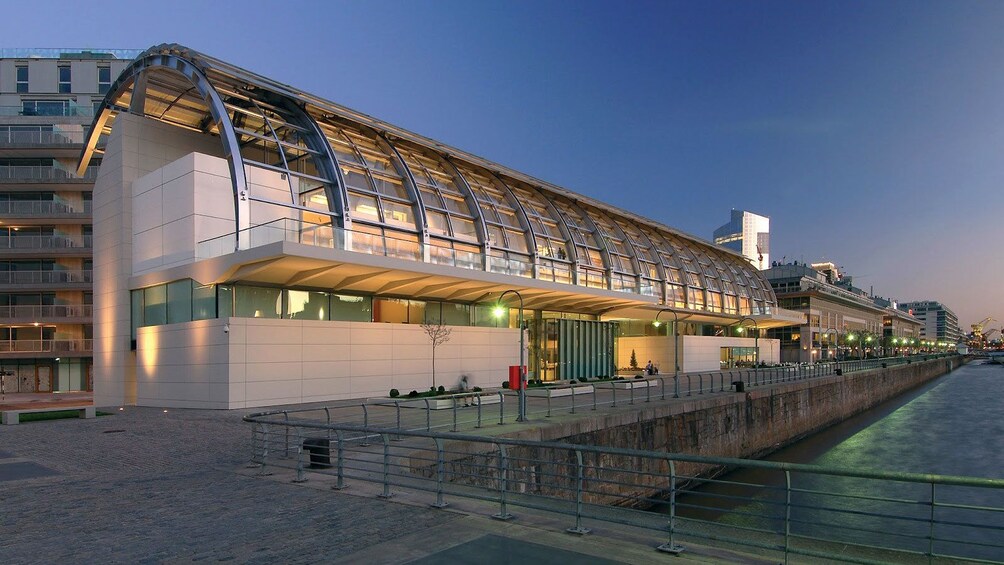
x=951 y=426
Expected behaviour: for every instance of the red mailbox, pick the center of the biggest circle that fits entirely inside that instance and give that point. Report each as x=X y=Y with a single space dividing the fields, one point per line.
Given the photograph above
x=515 y=382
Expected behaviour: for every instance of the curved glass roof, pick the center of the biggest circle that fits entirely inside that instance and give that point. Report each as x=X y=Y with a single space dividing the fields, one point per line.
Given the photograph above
x=404 y=195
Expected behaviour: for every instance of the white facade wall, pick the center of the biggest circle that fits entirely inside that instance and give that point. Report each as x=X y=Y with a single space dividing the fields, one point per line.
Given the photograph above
x=263 y=362
x=697 y=353
x=136 y=147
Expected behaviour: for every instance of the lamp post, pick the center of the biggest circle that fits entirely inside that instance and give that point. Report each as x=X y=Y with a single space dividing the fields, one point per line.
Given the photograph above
x=852 y=337
x=499 y=310
x=756 y=344
x=836 y=339
x=676 y=348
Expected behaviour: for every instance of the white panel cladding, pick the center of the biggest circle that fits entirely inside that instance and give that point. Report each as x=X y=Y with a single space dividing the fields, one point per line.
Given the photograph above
x=84 y=76
x=42 y=76
x=178 y=205
x=703 y=353
x=8 y=82
x=260 y=362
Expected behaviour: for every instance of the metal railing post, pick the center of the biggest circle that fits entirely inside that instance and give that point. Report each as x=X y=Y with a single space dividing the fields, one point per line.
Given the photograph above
x=594 y=397
x=501 y=408
x=930 y=531
x=366 y=416
x=454 y=413
x=386 y=467
x=479 y=411
x=631 y=392
x=613 y=390
x=676 y=386
x=700 y=383
x=340 y=465
x=648 y=390
x=397 y=410
x=579 y=480
x=503 y=471
x=286 y=416
x=787 y=514
x=672 y=547
x=428 y=415
x=440 y=474
x=573 y=399
x=548 y=402
x=301 y=476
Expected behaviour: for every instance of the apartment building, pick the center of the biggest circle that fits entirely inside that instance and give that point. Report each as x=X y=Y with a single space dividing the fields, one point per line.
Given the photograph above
x=47 y=101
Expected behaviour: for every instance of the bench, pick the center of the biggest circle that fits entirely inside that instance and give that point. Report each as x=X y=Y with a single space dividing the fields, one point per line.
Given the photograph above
x=13 y=417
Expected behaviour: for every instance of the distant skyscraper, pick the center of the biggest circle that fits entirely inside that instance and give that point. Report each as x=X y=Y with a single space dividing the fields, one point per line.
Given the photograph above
x=749 y=234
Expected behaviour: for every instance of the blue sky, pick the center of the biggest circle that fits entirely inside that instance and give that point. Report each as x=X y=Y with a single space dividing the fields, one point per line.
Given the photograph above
x=870 y=132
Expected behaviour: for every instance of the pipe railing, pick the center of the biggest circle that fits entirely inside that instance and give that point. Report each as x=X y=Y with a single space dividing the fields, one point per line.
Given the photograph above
x=851 y=515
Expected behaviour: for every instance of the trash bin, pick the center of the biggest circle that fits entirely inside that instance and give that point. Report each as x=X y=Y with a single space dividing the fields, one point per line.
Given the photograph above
x=515 y=377
x=740 y=386
x=839 y=372
x=319 y=449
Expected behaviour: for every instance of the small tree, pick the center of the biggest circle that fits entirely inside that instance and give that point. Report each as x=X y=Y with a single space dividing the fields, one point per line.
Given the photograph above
x=438 y=335
x=634 y=360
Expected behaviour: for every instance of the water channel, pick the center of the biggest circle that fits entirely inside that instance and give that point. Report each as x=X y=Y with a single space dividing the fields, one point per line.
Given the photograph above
x=953 y=425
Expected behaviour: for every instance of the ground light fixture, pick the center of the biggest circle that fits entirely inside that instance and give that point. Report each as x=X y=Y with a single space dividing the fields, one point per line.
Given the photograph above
x=498 y=311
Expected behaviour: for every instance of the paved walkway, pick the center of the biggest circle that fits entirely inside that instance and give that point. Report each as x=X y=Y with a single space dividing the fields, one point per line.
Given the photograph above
x=148 y=486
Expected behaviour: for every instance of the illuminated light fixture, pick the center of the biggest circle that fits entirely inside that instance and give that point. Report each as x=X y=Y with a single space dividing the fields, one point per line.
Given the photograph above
x=57 y=358
x=319 y=198
x=366 y=209
x=498 y=311
x=657 y=323
x=165 y=411
x=257 y=313
x=35 y=324
x=121 y=409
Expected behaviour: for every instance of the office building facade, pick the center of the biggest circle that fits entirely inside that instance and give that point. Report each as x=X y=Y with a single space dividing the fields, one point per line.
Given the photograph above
x=47 y=100
x=749 y=234
x=938 y=322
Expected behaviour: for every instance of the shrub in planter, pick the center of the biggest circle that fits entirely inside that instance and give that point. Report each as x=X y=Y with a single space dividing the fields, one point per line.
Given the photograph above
x=583 y=379
x=394 y=393
x=637 y=376
x=476 y=389
x=413 y=394
x=442 y=389
x=505 y=384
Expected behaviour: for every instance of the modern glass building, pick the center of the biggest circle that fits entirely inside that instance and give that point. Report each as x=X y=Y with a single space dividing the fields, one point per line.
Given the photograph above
x=257 y=245
x=749 y=234
x=47 y=100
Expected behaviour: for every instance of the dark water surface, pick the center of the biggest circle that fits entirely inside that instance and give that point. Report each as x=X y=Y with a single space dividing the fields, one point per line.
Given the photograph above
x=951 y=426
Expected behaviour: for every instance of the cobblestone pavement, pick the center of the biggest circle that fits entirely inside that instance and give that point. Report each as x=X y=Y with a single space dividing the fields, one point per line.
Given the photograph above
x=144 y=486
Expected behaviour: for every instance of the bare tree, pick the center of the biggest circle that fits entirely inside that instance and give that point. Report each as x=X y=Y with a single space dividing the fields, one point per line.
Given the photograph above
x=438 y=335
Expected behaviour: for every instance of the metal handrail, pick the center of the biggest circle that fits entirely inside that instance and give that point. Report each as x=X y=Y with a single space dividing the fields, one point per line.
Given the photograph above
x=802 y=513
x=47 y=277
x=40 y=311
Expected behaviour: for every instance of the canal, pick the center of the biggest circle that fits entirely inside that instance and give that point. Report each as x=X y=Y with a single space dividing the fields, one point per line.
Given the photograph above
x=953 y=425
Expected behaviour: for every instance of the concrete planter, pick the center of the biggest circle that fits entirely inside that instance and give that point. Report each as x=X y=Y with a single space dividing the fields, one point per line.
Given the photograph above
x=559 y=391
x=447 y=403
x=625 y=385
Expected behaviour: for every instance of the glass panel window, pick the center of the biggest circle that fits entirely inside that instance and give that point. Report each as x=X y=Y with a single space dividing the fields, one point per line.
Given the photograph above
x=257 y=302
x=104 y=79
x=64 y=79
x=390 y=310
x=22 y=78
x=304 y=305
x=456 y=314
x=437 y=222
x=179 y=301
x=695 y=298
x=398 y=214
x=351 y=308
x=155 y=305
x=362 y=205
x=203 y=302
x=136 y=308
x=416 y=311
x=464 y=228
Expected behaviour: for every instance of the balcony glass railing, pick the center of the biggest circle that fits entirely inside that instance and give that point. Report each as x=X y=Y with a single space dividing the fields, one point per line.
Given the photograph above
x=46 y=242
x=67 y=53
x=40 y=312
x=45 y=138
x=46 y=277
x=42 y=173
x=42 y=208
x=46 y=346
x=58 y=110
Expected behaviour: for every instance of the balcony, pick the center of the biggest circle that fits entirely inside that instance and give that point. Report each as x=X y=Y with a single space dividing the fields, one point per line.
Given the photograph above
x=37 y=174
x=65 y=110
x=47 y=244
x=59 y=346
x=41 y=138
x=44 y=209
x=47 y=313
x=71 y=279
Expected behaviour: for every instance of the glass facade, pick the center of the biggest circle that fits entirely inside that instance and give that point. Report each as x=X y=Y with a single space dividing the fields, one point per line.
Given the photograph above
x=393 y=193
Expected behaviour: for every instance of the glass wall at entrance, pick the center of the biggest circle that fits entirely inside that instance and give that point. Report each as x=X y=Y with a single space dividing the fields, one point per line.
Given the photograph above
x=733 y=357
x=45 y=375
x=566 y=349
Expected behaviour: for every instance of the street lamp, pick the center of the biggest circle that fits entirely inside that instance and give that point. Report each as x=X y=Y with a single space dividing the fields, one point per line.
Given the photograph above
x=676 y=348
x=756 y=343
x=498 y=311
x=836 y=339
x=851 y=337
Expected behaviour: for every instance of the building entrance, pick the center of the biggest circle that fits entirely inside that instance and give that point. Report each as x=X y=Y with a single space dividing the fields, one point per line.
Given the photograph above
x=564 y=349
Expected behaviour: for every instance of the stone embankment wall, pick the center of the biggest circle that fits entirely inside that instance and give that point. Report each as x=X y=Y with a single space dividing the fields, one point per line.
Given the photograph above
x=742 y=425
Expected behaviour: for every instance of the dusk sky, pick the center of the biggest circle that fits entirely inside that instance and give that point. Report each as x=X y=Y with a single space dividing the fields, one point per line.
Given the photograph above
x=871 y=133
